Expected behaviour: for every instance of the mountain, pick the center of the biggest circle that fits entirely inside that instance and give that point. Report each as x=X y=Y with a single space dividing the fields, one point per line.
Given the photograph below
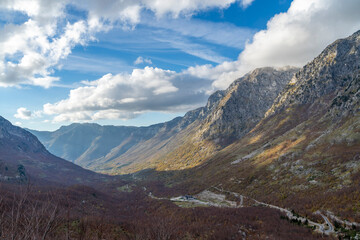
x=244 y=103
x=82 y=143
x=23 y=158
x=305 y=153
x=187 y=141
x=237 y=111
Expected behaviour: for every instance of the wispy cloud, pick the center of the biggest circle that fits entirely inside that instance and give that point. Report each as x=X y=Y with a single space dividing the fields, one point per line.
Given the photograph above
x=94 y=64
x=224 y=34
x=201 y=51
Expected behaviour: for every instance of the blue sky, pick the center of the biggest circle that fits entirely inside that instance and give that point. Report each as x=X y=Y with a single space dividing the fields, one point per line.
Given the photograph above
x=143 y=62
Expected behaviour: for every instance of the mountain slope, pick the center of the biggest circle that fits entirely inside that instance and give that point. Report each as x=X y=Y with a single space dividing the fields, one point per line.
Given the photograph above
x=23 y=157
x=81 y=143
x=227 y=116
x=305 y=154
x=245 y=102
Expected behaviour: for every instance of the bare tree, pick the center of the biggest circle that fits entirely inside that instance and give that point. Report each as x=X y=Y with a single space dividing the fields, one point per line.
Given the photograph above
x=27 y=218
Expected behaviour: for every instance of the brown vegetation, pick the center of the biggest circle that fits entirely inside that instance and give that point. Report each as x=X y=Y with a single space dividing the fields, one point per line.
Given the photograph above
x=81 y=212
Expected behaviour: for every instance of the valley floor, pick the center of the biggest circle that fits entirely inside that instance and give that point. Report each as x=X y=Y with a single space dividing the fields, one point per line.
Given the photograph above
x=217 y=198
x=125 y=210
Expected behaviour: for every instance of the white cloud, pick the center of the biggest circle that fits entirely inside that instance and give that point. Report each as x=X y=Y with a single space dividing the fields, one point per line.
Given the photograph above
x=27 y=55
x=246 y=3
x=30 y=51
x=194 y=49
x=23 y=113
x=177 y=7
x=126 y=96
x=291 y=38
x=141 y=60
x=295 y=37
x=88 y=63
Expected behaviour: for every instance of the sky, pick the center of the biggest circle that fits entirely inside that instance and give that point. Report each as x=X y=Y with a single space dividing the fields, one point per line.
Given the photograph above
x=141 y=62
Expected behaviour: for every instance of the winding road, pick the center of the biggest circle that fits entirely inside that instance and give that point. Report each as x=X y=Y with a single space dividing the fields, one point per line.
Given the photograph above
x=326 y=228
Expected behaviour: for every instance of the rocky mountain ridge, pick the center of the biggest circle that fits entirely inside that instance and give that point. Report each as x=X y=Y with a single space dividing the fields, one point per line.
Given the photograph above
x=242 y=106
x=333 y=69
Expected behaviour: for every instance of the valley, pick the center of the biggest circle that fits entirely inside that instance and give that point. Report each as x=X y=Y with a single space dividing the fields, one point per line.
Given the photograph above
x=274 y=156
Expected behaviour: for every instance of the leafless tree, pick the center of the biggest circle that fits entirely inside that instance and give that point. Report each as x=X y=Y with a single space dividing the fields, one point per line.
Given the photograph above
x=27 y=218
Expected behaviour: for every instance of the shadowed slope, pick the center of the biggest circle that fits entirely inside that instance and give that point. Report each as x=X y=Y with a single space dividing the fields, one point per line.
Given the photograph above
x=23 y=157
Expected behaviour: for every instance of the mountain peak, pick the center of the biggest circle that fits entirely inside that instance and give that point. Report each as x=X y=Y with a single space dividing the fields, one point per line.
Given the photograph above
x=19 y=138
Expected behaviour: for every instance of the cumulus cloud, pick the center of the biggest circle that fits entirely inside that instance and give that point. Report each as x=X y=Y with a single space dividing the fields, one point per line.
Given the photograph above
x=30 y=51
x=125 y=96
x=291 y=38
x=141 y=60
x=23 y=113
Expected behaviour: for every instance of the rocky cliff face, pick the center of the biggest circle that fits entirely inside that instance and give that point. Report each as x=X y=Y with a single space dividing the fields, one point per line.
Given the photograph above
x=244 y=103
x=336 y=67
x=202 y=112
